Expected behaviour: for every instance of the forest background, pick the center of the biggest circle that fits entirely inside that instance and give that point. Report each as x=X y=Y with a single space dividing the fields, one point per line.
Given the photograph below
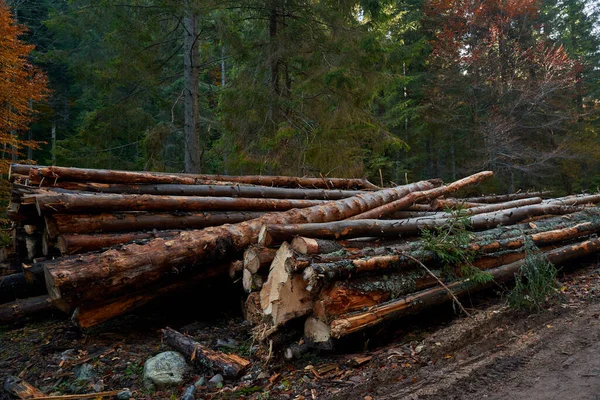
x=413 y=89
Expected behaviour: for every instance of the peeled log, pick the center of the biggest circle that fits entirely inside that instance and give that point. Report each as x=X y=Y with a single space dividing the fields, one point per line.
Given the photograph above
x=71 y=244
x=258 y=258
x=113 y=176
x=271 y=234
x=98 y=202
x=138 y=221
x=230 y=365
x=10 y=312
x=132 y=267
x=208 y=190
x=427 y=195
x=351 y=323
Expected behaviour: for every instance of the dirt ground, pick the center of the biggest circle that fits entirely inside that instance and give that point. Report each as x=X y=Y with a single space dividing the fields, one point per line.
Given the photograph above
x=498 y=353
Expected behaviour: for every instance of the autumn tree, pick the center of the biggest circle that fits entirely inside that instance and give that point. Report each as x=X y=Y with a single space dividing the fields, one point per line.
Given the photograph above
x=21 y=85
x=502 y=90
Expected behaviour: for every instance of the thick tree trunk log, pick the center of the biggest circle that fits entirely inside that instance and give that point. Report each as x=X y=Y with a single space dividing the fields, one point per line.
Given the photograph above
x=415 y=197
x=506 y=197
x=348 y=267
x=94 y=313
x=22 y=285
x=129 y=177
x=229 y=365
x=97 y=202
x=131 y=267
x=72 y=244
x=272 y=234
x=10 y=312
x=305 y=245
x=258 y=258
x=139 y=221
x=208 y=190
x=411 y=304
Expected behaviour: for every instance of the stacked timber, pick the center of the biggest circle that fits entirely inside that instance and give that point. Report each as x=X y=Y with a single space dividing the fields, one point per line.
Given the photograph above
x=339 y=255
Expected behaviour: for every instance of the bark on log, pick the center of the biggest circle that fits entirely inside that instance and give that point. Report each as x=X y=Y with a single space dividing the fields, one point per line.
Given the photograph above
x=208 y=190
x=15 y=310
x=576 y=200
x=411 y=304
x=139 y=221
x=21 y=389
x=305 y=245
x=258 y=258
x=96 y=312
x=506 y=197
x=272 y=234
x=230 y=365
x=72 y=244
x=22 y=285
x=349 y=266
x=132 y=267
x=427 y=195
x=113 y=176
x=97 y=202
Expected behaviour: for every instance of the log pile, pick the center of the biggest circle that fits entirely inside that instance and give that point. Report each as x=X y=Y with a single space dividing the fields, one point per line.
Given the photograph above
x=339 y=255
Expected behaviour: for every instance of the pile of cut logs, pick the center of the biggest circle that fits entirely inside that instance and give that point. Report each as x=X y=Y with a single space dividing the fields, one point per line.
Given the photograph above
x=342 y=254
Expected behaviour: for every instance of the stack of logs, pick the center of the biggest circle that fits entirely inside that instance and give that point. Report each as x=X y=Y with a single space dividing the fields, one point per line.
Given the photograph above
x=341 y=254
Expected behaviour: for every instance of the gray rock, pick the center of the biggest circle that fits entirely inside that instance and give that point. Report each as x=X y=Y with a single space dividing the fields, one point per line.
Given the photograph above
x=125 y=394
x=164 y=369
x=85 y=372
x=189 y=393
x=216 y=381
x=200 y=382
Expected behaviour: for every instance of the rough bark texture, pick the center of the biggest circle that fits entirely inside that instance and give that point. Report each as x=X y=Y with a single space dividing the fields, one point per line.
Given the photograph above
x=506 y=197
x=427 y=195
x=139 y=221
x=315 y=246
x=271 y=234
x=98 y=202
x=132 y=267
x=22 y=285
x=223 y=190
x=36 y=173
x=18 y=309
x=230 y=365
x=72 y=244
x=416 y=302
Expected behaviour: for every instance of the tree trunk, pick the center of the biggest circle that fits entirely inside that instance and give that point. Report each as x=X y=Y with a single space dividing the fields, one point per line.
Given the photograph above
x=271 y=234
x=191 y=133
x=71 y=244
x=258 y=258
x=91 y=277
x=223 y=190
x=10 y=312
x=427 y=195
x=229 y=365
x=506 y=197
x=414 y=303
x=37 y=173
x=81 y=203
x=22 y=285
x=139 y=221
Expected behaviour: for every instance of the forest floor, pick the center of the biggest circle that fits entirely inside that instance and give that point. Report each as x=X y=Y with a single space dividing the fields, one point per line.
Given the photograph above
x=498 y=353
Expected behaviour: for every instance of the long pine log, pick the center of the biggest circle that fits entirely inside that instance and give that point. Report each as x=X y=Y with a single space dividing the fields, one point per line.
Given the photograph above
x=131 y=267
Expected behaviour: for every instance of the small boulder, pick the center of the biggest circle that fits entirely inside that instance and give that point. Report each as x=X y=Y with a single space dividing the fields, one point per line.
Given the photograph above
x=164 y=369
x=124 y=394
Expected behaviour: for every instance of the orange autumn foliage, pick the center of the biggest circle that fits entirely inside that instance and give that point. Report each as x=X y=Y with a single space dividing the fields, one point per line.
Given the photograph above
x=21 y=84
